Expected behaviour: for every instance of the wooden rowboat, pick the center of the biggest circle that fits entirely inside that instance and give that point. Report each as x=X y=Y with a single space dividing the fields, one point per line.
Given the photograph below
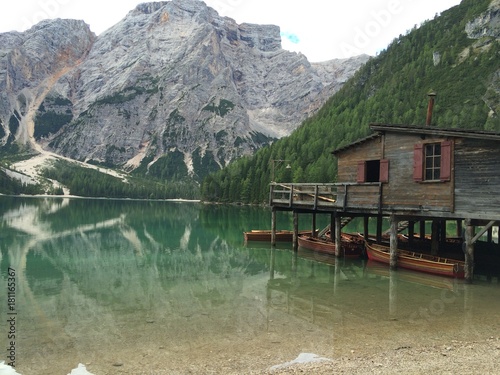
x=352 y=245
x=265 y=235
x=417 y=261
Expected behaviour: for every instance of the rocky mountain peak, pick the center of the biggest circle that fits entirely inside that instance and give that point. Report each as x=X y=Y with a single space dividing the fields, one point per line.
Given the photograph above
x=173 y=89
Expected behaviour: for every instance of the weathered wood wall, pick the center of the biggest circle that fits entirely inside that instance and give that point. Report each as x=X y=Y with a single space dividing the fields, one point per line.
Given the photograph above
x=477 y=177
x=402 y=190
x=347 y=169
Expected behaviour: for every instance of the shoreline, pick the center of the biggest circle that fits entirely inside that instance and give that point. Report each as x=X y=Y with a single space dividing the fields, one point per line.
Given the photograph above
x=454 y=357
x=180 y=200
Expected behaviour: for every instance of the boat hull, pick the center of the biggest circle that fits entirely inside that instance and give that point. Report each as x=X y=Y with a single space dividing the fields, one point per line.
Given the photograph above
x=417 y=262
x=352 y=246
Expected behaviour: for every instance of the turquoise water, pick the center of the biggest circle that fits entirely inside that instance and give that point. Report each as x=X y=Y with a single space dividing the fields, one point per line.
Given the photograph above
x=170 y=287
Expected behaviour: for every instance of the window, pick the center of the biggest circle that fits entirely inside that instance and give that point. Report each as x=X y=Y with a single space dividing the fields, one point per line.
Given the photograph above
x=432 y=162
x=373 y=171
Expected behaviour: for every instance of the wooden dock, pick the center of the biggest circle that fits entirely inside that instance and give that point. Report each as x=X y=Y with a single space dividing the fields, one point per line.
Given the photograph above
x=410 y=176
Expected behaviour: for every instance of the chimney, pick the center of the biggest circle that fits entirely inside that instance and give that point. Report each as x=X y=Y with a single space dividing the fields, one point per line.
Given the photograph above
x=432 y=96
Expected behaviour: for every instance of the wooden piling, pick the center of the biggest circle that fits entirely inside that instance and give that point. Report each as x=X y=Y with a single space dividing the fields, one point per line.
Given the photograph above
x=332 y=227
x=459 y=228
x=469 y=251
x=422 y=229
x=435 y=237
x=338 y=236
x=411 y=233
x=366 y=226
x=313 y=226
x=295 y=230
x=379 y=228
x=442 y=232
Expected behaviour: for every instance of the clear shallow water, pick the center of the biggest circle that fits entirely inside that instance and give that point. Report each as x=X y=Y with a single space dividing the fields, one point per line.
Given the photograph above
x=163 y=288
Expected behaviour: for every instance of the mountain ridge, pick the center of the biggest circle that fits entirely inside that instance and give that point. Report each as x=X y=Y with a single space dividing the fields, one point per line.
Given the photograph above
x=173 y=90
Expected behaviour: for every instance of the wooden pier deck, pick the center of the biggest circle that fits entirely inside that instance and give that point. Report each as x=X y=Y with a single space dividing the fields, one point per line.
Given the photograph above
x=327 y=197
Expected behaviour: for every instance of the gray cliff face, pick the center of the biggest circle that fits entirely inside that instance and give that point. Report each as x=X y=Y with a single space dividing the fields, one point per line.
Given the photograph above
x=487 y=25
x=30 y=65
x=172 y=81
x=486 y=29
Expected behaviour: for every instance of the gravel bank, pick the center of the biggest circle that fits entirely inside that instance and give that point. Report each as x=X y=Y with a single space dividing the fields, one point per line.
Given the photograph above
x=481 y=357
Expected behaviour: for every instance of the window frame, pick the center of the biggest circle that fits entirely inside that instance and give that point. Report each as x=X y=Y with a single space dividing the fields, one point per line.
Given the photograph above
x=383 y=172
x=445 y=166
x=432 y=162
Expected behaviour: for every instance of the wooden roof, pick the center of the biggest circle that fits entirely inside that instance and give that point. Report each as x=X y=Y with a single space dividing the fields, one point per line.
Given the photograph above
x=421 y=130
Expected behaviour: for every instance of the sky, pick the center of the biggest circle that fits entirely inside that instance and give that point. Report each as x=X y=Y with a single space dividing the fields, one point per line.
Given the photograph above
x=320 y=29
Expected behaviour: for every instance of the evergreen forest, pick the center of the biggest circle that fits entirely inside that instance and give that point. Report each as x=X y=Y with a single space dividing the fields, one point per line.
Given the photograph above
x=391 y=88
x=87 y=182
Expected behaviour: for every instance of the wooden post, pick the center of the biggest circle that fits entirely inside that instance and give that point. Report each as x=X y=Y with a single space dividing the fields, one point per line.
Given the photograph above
x=442 y=234
x=273 y=226
x=313 y=225
x=459 y=229
x=435 y=237
x=379 y=228
x=315 y=197
x=366 y=227
x=338 y=236
x=469 y=251
x=422 y=229
x=295 y=230
x=393 y=262
x=366 y=232
x=411 y=233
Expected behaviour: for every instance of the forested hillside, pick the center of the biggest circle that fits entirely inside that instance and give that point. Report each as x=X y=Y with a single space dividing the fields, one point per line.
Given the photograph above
x=391 y=88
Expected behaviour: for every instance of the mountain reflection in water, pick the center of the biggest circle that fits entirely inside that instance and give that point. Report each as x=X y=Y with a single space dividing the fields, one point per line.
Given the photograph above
x=157 y=286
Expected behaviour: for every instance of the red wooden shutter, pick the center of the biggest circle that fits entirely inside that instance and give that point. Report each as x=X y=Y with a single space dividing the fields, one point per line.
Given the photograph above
x=445 y=161
x=361 y=172
x=384 y=170
x=418 y=162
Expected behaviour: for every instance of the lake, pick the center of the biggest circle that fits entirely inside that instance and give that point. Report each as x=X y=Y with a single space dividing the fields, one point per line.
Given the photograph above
x=131 y=287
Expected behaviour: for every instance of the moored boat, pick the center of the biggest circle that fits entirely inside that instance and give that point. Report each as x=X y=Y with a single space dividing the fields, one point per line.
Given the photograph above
x=417 y=261
x=352 y=245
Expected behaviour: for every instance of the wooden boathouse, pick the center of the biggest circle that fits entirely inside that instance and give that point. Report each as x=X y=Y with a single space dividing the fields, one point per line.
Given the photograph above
x=410 y=175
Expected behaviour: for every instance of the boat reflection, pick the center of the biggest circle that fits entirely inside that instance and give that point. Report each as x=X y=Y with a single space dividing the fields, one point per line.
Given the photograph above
x=326 y=290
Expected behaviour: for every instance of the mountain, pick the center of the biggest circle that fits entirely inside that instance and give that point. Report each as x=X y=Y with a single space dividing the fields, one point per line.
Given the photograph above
x=457 y=55
x=173 y=90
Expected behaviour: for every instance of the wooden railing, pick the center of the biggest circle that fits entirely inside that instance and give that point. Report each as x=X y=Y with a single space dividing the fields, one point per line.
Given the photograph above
x=326 y=196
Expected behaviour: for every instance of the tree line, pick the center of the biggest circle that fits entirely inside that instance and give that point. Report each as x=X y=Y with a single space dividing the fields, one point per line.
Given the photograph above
x=88 y=182
x=391 y=88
